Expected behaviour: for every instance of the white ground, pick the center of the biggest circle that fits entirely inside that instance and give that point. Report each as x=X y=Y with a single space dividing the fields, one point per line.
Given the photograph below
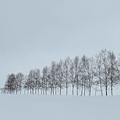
x=41 y=107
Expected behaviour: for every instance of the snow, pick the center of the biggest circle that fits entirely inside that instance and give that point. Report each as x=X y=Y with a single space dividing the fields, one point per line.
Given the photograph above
x=41 y=107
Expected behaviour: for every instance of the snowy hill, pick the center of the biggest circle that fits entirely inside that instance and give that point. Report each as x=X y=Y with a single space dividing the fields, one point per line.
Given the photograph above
x=39 y=107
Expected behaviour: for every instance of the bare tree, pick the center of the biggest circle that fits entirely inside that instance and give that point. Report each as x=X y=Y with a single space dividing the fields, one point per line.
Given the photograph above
x=102 y=71
x=10 y=84
x=38 y=80
x=30 y=83
x=19 y=82
x=72 y=76
x=99 y=72
x=85 y=75
x=90 y=71
x=59 y=75
x=76 y=79
x=105 y=69
x=113 y=72
x=52 y=78
x=45 y=79
x=66 y=66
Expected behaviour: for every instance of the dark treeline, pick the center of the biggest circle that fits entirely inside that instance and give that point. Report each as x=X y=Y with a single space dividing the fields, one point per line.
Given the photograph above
x=81 y=74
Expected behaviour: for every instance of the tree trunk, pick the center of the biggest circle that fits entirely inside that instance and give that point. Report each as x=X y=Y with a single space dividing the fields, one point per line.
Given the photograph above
x=60 y=90
x=101 y=88
x=106 y=90
x=82 y=91
x=73 y=89
x=111 y=88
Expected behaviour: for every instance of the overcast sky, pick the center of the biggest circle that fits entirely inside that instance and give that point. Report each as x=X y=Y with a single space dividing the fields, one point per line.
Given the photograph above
x=35 y=32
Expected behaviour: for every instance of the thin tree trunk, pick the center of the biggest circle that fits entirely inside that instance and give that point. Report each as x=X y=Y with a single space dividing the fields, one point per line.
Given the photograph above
x=73 y=89
x=77 y=88
x=111 y=88
x=82 y=91
x=101 y=88
x=60 y=90
x=111 y=85
x=89 y=91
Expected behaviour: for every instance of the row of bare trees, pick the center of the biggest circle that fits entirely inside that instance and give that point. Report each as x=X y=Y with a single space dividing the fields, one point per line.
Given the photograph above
x=82 y=75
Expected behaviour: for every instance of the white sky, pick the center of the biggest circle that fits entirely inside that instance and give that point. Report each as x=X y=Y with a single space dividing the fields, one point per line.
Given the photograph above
x=35 y=32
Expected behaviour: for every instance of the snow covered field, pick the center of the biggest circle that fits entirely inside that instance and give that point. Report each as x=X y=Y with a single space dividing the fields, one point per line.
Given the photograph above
x=39 y=107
